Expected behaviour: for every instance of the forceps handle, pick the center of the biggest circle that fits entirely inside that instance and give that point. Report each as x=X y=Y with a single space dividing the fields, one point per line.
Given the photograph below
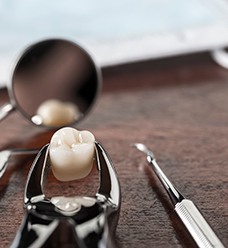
x=197 y=226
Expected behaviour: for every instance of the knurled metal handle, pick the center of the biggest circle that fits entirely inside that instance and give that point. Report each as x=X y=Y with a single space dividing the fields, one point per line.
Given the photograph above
x=198 y=227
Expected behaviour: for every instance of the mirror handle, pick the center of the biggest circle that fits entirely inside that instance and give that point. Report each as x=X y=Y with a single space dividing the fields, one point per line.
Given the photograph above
x=5 y=110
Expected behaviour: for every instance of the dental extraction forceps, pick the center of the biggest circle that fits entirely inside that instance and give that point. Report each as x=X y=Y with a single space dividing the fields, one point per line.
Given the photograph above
x=69 y=221
x=189 y=214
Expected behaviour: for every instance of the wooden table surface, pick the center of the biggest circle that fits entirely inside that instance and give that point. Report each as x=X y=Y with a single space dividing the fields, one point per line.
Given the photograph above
x=179 y=108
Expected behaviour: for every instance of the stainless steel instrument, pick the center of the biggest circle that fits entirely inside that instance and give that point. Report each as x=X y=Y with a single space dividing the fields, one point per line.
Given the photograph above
x=51 y=70
x=5 y=155
x=191 y=217
x=78 y=221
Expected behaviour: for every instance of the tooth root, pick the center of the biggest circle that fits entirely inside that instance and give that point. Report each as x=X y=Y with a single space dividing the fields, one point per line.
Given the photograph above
x=71 y=154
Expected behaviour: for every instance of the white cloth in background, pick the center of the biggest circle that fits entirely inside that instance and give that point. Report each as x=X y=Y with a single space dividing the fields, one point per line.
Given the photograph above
x=113 y=31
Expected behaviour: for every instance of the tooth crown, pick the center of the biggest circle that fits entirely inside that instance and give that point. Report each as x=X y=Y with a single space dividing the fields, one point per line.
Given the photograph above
x=71 y=153
x=56 y=113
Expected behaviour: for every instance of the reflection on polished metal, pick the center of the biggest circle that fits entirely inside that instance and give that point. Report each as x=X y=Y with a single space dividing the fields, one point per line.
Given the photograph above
x=220 y=56
x=189 y=214
x=5 y=155
x=70 y=221
x=54 y=83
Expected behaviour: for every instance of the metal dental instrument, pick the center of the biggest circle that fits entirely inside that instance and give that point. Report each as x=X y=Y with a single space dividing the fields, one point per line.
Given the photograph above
x=191 y=217
x=52 y=69
x=5 y=155
x=78 y=221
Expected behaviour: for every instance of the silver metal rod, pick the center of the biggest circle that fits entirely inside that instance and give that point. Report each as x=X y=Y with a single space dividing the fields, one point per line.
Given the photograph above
x=174 y=194
x=5 y=110
x=189 y=214
x=5 y=155
x=197 y=226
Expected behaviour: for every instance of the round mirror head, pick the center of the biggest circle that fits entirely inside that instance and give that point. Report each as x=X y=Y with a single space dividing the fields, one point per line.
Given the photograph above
x=55 y=83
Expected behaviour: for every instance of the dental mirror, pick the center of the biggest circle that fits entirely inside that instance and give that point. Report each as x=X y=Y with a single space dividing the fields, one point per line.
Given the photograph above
x=54 y=83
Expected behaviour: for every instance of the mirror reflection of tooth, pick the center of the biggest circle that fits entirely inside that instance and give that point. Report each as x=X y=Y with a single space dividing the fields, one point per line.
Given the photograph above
x=56 y=113
x=71 y=154
x=72 y=204
x=52 y=69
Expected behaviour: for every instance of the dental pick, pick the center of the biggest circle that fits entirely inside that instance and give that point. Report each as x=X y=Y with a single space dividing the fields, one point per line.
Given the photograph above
x=189 y=214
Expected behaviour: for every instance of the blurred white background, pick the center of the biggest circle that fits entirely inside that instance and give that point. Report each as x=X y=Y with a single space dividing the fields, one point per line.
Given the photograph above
x=114 y=32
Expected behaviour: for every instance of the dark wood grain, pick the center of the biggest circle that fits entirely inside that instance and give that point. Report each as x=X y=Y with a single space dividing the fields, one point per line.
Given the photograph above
x=179 y=108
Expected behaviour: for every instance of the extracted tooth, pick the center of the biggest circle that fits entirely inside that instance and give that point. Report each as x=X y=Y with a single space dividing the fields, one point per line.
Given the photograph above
x=57 y=113
x=71 y=153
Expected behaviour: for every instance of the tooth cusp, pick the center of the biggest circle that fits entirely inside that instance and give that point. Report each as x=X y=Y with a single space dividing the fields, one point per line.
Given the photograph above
x=54 y=113
x=71 y=154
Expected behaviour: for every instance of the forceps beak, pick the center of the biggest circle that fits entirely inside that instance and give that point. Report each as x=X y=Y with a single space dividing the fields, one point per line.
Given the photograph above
x=37 y=173
x=109 y=183
x=99 y=218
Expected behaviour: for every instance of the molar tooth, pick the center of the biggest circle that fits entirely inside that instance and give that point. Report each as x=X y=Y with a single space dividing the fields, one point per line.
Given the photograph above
x=71 y=153
x=57 y=113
